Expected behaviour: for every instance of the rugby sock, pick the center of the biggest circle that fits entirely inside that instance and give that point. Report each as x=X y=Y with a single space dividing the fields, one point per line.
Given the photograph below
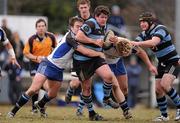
x=88 y=101
x=126 y=97
x=174 y=97
x=21 y=101
x=34 y=99
x=162 y=103
x=107 y=87
x=44 y=100
x=70 y=91
x=124 y=106
x=81 y=104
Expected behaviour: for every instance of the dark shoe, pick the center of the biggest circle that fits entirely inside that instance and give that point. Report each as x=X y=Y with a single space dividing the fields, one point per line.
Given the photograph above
x=127 y=114
x=41 y=110
x=111 y=103
x=96 y=117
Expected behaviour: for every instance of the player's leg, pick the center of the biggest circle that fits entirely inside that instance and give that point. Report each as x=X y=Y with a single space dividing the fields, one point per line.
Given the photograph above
x=37 y=83
x=80 y=107
x=33 y=69
x=73 y=85
x=34 y=98
x=120 y=72
x=87 y=98
x=161 y=101
x=54 y=78
x=84 y=76
x=52 y=93
x=105 y=73
x=166 y=83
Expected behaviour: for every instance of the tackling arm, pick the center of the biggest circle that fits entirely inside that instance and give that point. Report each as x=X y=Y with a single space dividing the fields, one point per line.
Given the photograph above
x=142 y=54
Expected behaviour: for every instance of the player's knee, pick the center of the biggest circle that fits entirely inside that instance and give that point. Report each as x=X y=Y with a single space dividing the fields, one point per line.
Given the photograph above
x=108 y=79
x=124 y=91
x=159 y=90
x=75 y=84
x=165 y=86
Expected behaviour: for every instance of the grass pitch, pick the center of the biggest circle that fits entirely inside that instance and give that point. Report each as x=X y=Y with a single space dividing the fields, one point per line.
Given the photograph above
x=56 y=114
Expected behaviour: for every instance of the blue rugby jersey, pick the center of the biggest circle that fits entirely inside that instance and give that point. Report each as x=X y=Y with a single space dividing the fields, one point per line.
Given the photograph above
x=92 y=30
x=62 y=54
x=165 y=50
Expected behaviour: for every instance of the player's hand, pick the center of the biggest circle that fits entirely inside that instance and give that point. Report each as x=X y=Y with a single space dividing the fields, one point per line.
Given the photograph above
x=113 y=39
x=99 y=42
x=134 y=43
x=40 y=58
x=102 y=55
x=153 y=70
x=14 y=62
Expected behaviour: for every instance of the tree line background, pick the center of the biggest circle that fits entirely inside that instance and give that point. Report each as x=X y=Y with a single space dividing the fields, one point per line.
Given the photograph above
x=58 y=11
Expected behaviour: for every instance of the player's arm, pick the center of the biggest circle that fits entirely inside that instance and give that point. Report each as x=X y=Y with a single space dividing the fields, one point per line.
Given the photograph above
x=86 y=29
x=28 y=54
x=148 y=43
x=9 y=48
x=88 y=52
x=143 y=55
x=85 y=51
x=11 y=52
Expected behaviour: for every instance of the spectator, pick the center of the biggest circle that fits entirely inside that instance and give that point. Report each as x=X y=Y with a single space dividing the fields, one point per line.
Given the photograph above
x=116 y=22
x=6 y=29
x=18 y=46
x=13 y=72
x=15 y=87
x=133 y=70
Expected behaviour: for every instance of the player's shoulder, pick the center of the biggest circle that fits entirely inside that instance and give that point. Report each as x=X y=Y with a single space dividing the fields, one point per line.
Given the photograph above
x=50 y=34
x=160 y=27
x=32 y=37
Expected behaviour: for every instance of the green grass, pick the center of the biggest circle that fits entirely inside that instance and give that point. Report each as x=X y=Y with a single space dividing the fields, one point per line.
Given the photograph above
x=56 y=114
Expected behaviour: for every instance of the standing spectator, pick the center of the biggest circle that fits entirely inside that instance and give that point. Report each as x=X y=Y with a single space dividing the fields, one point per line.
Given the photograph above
x=39 y=46
x=15 y=86
x=133 y=71
x=18 y=46
x=14 y=77
x=6 y=29
x=117 y=23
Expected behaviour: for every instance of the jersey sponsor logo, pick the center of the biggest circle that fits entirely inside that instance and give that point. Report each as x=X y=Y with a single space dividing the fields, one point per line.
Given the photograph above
x=86 y=28
x=162 y=64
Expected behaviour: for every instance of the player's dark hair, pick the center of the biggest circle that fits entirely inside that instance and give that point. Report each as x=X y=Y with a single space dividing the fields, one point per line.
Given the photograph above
x=101 y=9
x=74 y=19
x=40 y=20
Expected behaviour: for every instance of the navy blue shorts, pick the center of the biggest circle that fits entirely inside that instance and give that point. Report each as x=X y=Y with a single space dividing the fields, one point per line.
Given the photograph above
x=51 y=71
x=118 y=68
